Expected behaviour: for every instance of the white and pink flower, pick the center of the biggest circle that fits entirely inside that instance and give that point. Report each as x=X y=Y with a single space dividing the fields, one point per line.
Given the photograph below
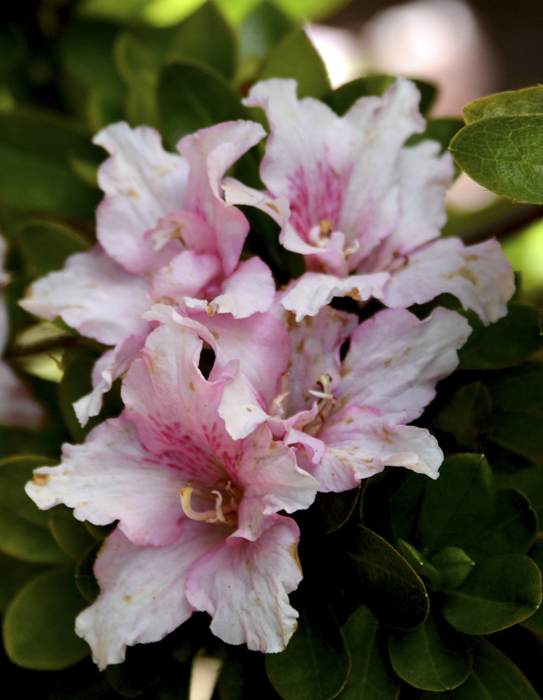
x=164 y=234
x=364 y=209
x=199 y=527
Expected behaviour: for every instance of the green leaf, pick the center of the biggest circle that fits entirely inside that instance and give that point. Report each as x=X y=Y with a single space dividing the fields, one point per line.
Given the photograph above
x=139 y=69
x=316 y=662
x=36 y=149
x=432 y=657
x=468 y=416
x=499 y=592
x=517 y=405
x=23 y=527
x=295 y=57
x=513 y=527
x=371 y=677
x=391 y=502
x=509 y=341
x=86 y=52
x=243 y=676
x=38 y=626
x=453 y=565
x=140 y=670
x=392 y=590
x=535 y=621
x=505 y=104
x=85 y=580
x=71 y=535
x=504 y=154
x=530 y=482
x=420 y=564
x=493 y=677
x=440 y=130
x=261 y=29
x=191 y=98
x=459 y=505
x=46 y=245
x=329 y=512
x=14 y=573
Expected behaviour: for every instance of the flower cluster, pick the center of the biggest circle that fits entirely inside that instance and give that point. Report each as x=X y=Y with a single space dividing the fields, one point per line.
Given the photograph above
x=206 y=463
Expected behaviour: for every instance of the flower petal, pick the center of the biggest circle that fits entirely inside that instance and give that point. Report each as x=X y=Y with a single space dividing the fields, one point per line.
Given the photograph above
x=395 y=360
x=142 y=183
x=112 y=365
x=249 y=289
x=142 y=595
x=307 y=295
x=111 y=476
x=479 y=275
x=188 y=274
x=94 y=295
x=245 y=588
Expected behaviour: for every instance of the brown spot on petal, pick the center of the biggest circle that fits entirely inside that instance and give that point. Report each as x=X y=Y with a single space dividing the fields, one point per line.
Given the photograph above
x=388 y=362
x=42 y=479
x=293 y=551
x=386 y=435
x=133 y=193
x=127 y=599
x=470 y=258
x=191 y=386
x=407 y=351
x=215 y=335
x=272 y=207
x=250 y=410
x=464 y=272
x=344 y=371
x=349 y=420
x=354 y=294
x=300 y=346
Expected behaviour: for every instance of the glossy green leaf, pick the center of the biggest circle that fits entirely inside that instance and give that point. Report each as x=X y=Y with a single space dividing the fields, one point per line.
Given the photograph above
x=458 y=505
x=505 y=104
x=329 y=512
x=85 y=580
x=38 y=626
x=441 y=130
x=420 y=564
x=371 y=677
x=71 y=535
x=517 y=406
x=468 y=416
x=432 y=657
x=453 y=565
x=535 y=621
x=504 y=154
x=513 y=527
x=36 y=148
x=46 y=245
x=295 y=57
x=391 y=589
x=14 y=473
x=261 y=29
x=391 y=502
x=499 y=592
x=493 y=677
x=509 y=341
x=316 y=662
x=243 y=676
x=191 y=98
x=139 y=69
x=528 y=481
x=14 y=573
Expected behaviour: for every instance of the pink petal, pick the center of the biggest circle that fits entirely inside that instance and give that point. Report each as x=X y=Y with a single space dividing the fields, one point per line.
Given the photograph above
x=112 y=365
x=142 y=183
x=111 y=476
x=142 y=595
x=360 y=443
x=245 y=588
x=94 y=295
x=210 y=153
x=249 y=289
x=175 y=408
x=271 y=481
x=479 y=275
x=307 y=295
x=395 y=360
x=187 y=275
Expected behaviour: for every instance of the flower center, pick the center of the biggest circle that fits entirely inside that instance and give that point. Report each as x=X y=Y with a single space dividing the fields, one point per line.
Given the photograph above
x=325 y=406
x=226 y=504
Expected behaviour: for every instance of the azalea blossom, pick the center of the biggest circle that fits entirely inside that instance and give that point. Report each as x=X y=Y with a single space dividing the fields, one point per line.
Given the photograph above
x=364 y=209
x=198 y=523
x=348 y=415
x=164 y=234
x=16 y=405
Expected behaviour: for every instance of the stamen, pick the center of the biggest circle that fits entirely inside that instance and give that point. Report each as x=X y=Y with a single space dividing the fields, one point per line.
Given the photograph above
x=324 y=407
x=219 y=514
x=186 y=494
